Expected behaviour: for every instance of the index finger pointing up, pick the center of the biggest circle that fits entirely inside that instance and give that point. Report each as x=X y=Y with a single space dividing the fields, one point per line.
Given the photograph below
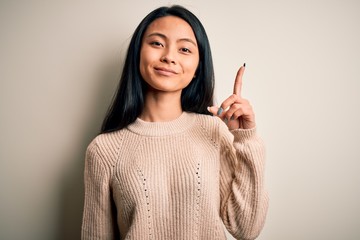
x=238 y=80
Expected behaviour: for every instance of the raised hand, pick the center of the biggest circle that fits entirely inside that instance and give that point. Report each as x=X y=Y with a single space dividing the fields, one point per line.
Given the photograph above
x=236 y=111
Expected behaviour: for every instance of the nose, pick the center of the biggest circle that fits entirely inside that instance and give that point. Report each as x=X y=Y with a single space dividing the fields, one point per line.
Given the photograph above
x=168 y=58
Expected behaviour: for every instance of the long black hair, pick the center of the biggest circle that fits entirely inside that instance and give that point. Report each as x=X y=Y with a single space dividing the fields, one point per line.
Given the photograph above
x=128 y=101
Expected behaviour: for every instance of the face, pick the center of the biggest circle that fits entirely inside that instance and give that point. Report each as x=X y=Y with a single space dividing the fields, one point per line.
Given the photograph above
x=169 y=54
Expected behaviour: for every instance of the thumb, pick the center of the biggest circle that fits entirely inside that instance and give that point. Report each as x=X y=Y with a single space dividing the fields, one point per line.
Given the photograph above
x=214 y=110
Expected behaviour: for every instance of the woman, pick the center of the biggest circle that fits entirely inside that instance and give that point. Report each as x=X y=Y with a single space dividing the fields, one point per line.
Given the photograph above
x=162 y=167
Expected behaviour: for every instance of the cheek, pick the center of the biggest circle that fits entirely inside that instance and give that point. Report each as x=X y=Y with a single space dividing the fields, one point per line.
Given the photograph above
x=192 y=65
x=147 y=58
x=143 y=64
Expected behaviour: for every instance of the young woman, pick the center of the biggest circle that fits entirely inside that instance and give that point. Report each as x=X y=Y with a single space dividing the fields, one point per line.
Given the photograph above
x=163 y=167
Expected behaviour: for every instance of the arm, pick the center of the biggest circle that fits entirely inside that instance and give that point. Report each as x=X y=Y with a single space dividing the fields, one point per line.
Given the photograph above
x=99 y=220
x=244 y=201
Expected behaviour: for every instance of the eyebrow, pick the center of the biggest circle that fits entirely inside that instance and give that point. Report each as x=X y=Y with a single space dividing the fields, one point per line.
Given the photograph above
x=164 y=37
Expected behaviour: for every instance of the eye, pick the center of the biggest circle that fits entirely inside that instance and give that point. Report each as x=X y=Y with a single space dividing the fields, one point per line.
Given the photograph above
x=185 y=50
x=157 y=44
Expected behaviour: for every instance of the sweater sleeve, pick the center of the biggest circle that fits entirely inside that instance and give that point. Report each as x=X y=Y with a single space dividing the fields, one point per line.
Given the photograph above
x=99 y=221
x=244 y=201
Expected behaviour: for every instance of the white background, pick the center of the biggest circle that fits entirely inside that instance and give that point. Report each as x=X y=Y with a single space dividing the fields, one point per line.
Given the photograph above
x=60 y=62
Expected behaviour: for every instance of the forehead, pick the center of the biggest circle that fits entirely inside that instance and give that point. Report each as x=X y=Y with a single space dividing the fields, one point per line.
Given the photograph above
x=172 y=27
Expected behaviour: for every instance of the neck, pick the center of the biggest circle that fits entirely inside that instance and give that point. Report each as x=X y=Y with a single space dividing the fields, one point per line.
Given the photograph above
x=161 y=106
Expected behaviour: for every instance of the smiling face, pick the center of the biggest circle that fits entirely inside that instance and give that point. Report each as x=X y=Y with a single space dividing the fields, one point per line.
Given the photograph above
x=169 y=54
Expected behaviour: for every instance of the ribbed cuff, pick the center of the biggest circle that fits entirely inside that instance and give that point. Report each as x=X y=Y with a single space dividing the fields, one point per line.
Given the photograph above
x=241 y=135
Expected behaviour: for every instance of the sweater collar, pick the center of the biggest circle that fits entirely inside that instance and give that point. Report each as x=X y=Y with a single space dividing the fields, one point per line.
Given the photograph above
x=178 y=125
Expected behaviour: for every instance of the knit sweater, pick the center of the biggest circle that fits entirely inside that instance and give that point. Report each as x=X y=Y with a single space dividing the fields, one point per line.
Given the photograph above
x=182 y=179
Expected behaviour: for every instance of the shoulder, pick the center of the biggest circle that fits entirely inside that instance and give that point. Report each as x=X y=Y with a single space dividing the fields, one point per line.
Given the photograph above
x=106 y=145
x=218 y=130
x=206 y=121
x=212 y=123
x=213 y=126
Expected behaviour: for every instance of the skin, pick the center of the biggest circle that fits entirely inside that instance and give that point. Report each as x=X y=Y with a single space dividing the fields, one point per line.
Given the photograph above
x=238 y=112
x=169 y=58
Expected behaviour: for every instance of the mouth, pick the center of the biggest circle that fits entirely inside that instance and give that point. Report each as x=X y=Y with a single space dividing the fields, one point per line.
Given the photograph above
x=164 y=71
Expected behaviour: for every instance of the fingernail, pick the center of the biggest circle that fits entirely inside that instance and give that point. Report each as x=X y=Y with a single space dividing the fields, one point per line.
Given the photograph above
x=220 y=111
x=208 y=108
x=244 y=65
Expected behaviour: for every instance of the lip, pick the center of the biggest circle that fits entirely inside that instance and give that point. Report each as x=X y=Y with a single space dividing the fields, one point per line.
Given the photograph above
x=164 y=71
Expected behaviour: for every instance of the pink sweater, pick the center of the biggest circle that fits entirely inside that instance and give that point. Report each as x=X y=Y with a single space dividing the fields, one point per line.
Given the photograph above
x=183 y=179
